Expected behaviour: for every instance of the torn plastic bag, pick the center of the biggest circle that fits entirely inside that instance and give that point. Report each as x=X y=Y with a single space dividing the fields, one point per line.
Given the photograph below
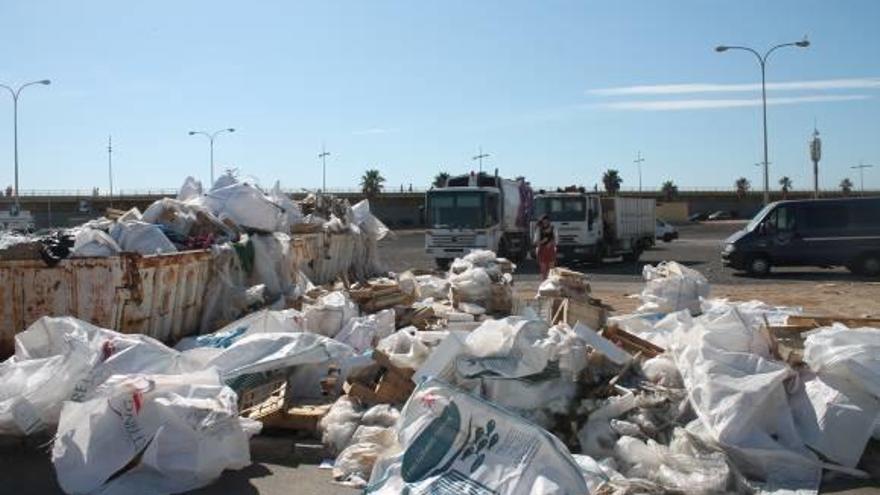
x=339 y=424
x=686 y=470
x=150 y=433
x=263 y=321
x=450 y=438
x=292 y=210
x=271 y=351
x=141 y=237
x=355 y=463
x=190 y=189
x=93 y=243
x=670 y=287
x=663 y=371
x=404 y=348
x=364 y=332
x=330 y=314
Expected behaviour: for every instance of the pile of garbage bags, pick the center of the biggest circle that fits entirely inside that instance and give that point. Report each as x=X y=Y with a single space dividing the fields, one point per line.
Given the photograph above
x=441 y=389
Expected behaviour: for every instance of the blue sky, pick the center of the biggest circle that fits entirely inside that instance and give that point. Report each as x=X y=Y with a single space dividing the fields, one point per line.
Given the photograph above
x=546 y=88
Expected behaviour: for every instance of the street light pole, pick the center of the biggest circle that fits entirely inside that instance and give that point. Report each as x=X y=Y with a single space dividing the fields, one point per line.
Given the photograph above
x=110 y=166
x=861 y=166
x=211 y=136
x=762 y=60
x=638 y=161
x=15 y=94
x=480 y=158
x=323 y=156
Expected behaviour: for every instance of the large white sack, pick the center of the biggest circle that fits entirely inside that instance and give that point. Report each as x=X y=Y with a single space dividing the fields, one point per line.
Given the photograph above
x=512 y=347
x=670 y=287
x=59 y=359
x=839 y=403
x=246 y=206
x=141 y=237
x=271 y=351
x=454 y=439
x=263 y=321
x=330 y=314
x=739 y=395
x=150 y=434
x=93 y=242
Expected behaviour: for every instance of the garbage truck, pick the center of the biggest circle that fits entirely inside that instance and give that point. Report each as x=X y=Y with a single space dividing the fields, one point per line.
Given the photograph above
x=592 y=227
x=478 y=211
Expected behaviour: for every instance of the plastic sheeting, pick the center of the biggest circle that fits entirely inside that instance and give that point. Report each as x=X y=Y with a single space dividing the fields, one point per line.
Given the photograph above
x=141 y=237
x=93 y=242
x=454 y=439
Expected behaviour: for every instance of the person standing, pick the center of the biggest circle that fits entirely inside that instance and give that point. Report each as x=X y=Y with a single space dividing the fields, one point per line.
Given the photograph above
x=546 y=242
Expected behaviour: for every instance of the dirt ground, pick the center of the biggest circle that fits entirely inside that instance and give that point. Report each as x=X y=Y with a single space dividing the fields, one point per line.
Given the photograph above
x=853 y=299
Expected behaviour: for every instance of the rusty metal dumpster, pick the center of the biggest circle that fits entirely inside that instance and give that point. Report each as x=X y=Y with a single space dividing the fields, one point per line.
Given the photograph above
x=157 y=295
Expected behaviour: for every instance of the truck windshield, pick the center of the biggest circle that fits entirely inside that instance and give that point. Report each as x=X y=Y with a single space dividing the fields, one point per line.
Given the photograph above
x=561 y=209
x=461 y=209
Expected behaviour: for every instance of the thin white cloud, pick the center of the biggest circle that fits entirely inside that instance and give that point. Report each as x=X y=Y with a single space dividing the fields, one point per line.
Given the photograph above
x=703 y=104
x=677 y=89
x=374 y=130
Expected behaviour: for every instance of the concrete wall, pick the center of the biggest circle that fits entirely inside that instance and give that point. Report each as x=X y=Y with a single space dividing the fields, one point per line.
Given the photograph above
x=398 y=210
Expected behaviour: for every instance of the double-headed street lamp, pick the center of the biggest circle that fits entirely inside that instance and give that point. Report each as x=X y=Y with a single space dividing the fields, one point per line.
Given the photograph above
x=762 y=60
x=15 y=94
x=211 y=136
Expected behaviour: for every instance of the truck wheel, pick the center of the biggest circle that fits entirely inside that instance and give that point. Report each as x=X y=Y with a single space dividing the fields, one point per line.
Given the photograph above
x=759 y=266
x=868 y=264
x=443 y=263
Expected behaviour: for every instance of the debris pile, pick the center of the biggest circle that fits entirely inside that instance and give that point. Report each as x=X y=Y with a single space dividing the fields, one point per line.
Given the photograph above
x=417 y=382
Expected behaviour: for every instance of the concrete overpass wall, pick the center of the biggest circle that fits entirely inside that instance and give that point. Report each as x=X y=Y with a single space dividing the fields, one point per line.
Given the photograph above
x=398 y=210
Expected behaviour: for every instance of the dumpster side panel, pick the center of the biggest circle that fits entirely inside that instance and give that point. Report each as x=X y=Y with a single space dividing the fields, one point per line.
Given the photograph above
x=160 y=296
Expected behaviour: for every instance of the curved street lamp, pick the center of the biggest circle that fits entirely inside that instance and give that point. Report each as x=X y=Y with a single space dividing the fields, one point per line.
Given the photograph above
x=762 y=60
x=15 y=94
x=211 y=136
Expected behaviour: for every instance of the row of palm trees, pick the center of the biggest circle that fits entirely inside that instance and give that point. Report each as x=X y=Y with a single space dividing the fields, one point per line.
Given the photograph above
x=372 y=184
x=785 y=184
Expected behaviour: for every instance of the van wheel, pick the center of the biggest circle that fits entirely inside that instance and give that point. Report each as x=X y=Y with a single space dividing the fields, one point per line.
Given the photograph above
x=868 y=264
x=759 y=265
x=443 y=263
x=667 y=237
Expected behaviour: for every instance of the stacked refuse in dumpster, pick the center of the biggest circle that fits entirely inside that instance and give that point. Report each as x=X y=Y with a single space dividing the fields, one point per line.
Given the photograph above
x=254 y=249
x=418 y=382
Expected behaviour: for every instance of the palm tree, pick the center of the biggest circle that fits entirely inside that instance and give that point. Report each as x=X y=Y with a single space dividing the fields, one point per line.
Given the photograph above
x=742 y=187
x=846 y=186
x=371 y=183
x=611 y=179
x=785 y=183
x=670 y=190
x=440 y=179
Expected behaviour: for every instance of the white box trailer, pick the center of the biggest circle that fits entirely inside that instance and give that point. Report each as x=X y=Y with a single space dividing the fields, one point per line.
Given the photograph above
x=590 y=227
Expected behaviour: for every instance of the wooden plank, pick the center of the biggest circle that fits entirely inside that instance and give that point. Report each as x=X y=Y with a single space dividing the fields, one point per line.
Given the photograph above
x=824 y=321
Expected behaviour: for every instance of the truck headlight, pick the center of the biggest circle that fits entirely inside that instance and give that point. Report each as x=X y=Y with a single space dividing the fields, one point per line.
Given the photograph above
x=729 y=248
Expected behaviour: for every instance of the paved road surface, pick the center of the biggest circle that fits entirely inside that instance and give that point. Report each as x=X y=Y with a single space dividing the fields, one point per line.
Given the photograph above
x=698 y=247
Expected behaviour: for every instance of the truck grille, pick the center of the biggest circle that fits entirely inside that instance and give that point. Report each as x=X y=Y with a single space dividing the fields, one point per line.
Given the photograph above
x=567 y=239
x=453 y=240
